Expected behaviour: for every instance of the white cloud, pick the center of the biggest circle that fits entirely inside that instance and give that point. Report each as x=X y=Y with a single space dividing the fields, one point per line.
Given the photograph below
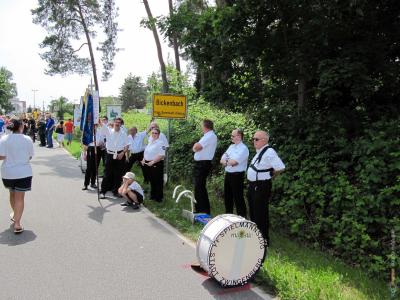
x=19 y=50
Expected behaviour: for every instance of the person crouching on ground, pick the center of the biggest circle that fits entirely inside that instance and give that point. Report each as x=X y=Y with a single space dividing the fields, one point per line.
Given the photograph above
x=16 y=150
x=131 y=191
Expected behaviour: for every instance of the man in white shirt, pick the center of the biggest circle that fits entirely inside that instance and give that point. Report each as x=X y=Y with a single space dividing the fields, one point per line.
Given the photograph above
x=235 y=162
x=114 y=169
x=136 y=141
x=204 y=151
x=264 y=166
x=93 y=160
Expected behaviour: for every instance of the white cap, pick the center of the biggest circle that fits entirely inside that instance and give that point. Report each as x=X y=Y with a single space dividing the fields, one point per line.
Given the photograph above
x=129 y=175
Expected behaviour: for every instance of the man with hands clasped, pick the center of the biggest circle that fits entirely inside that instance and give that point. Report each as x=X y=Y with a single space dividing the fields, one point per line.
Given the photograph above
x=153 y=161
x=235 y=162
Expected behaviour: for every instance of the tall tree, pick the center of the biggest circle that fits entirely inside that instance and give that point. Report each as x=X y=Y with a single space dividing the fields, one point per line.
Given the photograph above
x=174 y=39
x=133 y=93
x=61 y=106
x=8 y=89
x=151 y=23
x=70 y=22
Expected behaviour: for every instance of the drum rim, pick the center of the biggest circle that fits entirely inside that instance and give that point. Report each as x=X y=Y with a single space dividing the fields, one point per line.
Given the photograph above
x=216 y=237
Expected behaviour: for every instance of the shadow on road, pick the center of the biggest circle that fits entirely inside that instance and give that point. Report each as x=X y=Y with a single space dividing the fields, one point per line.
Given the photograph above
x=8 y=237
x=218 y=292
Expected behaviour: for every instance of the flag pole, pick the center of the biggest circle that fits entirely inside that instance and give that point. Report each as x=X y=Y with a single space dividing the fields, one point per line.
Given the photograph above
x=95 y=149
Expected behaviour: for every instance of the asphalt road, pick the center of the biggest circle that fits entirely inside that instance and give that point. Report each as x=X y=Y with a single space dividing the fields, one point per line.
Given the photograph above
x=72 y=248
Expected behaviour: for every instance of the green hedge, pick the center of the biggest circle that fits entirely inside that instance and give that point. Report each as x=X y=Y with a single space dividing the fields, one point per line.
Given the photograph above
x=340 y=191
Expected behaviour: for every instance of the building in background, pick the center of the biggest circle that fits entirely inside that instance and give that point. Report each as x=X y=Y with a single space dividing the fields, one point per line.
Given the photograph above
x=19 y=106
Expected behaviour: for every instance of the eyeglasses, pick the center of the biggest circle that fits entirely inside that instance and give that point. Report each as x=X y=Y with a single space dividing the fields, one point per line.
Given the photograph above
x=256 y=139
x=154 y=133
x=232 y=136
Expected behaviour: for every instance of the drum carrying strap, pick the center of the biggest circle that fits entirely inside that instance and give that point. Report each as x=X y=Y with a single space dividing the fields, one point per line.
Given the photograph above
x=258 y=159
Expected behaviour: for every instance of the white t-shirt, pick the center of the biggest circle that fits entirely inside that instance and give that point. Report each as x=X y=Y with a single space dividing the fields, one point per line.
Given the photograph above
x=161 y=137
x=136 y=143
x=240 y=154
x=209 y=144
x=18 y=149
x=156 y=147
x=270 y=159
x=134 y=186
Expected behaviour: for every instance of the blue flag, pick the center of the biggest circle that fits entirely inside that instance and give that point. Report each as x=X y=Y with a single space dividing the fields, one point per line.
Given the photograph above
x=83 y=116
x=88 y=126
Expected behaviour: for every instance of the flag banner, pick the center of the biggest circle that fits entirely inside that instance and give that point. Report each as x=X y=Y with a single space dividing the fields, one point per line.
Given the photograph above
x=77 y=115
x=83 y=111
x=96 y=107
x=88 y=127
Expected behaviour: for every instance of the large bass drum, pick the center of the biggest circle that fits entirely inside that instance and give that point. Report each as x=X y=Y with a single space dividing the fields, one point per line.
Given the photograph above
x=231 y=249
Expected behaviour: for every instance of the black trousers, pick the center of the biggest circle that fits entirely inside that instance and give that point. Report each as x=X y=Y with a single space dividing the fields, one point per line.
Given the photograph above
x=113 y=172
x=202 y=169
x=137 y=158
x=42 y=137
x=156 y=173
x=233 y=193
x=259 y=194
x=92 y=165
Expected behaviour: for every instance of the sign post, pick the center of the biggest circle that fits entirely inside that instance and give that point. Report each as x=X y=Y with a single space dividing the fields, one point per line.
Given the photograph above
x=171 y=107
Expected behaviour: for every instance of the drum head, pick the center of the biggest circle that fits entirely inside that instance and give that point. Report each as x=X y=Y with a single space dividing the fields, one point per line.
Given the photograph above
x=236 y=254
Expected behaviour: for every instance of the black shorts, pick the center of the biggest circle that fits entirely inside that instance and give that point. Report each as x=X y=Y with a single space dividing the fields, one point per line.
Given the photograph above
x=18 y=184
x=138 y=196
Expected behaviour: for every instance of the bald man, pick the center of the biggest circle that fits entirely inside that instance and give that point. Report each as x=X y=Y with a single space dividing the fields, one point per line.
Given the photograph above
x=264 y=166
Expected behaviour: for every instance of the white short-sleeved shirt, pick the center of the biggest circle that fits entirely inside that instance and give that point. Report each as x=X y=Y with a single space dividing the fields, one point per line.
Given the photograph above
x=156 y=147
x=99 y=139
x=136 y=143
x=134 y=186
x=116 y=140
x=270 y=159
x=18 y=149
x=209 y=144
x=161 y=137
x=240 y=154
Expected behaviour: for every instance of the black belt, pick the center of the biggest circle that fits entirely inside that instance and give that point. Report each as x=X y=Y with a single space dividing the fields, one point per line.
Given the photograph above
x=252 y=183
x=137 y=153
x=113 y=152
x=202 y=161
x=235 y=173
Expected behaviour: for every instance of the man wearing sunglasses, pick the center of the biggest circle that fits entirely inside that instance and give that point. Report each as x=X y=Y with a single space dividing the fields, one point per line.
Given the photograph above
x=264 y=166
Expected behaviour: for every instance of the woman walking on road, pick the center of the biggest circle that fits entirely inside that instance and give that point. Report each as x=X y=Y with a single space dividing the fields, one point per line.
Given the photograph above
x=16 y=150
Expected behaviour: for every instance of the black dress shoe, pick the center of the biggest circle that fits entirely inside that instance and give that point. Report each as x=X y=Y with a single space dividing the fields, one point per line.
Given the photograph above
x=84 y=188
x=127 y=203
x=94 y=186
x=135 y=206
x=102 y=196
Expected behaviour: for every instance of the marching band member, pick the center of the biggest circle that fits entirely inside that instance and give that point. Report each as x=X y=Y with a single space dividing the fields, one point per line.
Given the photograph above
x=117 y=146
x=153 y=161
x=264 y=166
x=235 y=162
x=204 y=151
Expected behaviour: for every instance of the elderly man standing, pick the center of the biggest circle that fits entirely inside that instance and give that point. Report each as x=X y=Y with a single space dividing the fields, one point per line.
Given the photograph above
x=136 y=141
x=117 y=146
x=264 y=166
x=204 y=151
x=50 y=124
x=235 y=162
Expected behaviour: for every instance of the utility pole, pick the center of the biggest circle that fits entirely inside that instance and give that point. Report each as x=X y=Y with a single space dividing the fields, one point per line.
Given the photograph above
x=34 y=97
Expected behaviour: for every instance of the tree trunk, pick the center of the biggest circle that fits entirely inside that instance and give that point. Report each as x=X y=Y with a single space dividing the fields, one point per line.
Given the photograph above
x=96 y=83
x=301 y=94
x=175 y=40
x=159 y=50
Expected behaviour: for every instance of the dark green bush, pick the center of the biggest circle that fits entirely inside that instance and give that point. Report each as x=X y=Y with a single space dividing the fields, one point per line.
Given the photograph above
x=341 y=188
